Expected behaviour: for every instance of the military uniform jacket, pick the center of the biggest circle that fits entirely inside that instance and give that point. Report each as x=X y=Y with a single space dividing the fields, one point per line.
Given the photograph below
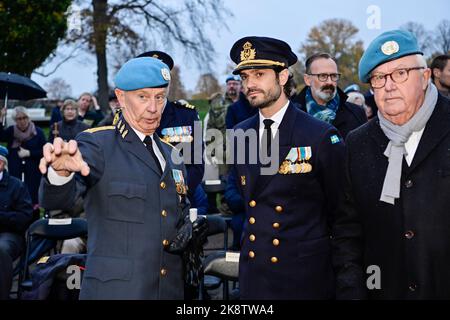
x=408 y=241
x=286 y=242
x=132 y=213
x=179 y=115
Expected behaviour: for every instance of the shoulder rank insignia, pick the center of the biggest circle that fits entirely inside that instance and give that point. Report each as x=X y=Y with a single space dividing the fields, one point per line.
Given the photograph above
x=44 y=259
x=297 y=161
x=92 y=130
x=334 y=139
x=184 y=103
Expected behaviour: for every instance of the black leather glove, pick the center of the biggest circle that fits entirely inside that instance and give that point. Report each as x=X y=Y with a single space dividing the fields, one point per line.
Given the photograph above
x=181 y=240
x=190 y=232
x=200 y=231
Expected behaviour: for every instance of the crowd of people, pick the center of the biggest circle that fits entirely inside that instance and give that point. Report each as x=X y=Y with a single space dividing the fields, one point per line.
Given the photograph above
x=359 y=181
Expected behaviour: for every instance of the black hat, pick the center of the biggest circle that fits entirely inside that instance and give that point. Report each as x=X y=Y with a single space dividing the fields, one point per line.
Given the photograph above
x=164 y=57
x=261 y=52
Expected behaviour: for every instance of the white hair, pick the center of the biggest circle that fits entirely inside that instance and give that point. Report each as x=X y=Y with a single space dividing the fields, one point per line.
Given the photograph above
x=20 y=109
x=352 y=96
x=421 y=61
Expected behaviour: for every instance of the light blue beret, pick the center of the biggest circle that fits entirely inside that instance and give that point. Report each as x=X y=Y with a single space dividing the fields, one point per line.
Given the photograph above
x=388 y=46
x=145 y=72
x=3 y=151
x=233 y=77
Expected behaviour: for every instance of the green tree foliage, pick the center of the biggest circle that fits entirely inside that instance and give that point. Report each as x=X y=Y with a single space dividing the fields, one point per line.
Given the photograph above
x=29 y=32
x=338 y=38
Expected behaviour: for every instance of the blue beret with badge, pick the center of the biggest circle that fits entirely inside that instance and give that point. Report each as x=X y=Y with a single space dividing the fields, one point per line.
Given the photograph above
x=144 y=72
x=388 y=46
x=3 y=151
x=261 y=53
x=233 y=77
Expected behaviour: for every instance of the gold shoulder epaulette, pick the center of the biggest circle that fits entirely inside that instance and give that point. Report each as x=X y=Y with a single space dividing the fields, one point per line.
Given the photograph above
x=184 y=103
x=92 y=130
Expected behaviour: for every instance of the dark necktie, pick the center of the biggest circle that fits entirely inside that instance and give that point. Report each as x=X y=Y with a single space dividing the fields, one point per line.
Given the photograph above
x=267 y=137
x=148 y=143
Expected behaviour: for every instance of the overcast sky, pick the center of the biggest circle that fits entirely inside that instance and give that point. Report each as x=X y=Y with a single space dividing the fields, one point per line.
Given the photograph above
x=288 y=20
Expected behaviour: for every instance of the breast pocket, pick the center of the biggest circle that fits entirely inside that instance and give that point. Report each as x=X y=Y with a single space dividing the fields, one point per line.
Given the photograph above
x=126 y=201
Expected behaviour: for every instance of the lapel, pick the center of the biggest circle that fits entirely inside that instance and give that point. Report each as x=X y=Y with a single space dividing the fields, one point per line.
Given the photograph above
x=167 y=153
x=340 y=113
x=134 y=145
x=285 y=132
x=437 y=127
x=378 y=135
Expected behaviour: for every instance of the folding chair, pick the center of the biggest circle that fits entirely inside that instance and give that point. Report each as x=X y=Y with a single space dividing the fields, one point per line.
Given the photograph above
x=48 y=229
x=213 y=274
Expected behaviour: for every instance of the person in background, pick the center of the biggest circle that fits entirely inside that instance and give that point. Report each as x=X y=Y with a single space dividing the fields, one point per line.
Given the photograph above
x=85 y=114
x=68 y=128
x=113 y=107
x=323 y=99
x=24 y=141
x=16 y=213
x=56 y=114
x=440 y=74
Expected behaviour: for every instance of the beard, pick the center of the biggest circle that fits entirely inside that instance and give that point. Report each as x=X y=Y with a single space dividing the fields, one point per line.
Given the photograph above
x=232 y=93
x=326 y=93
x=269 y=97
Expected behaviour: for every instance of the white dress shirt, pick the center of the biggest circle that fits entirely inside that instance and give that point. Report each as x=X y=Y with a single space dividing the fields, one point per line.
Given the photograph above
x=412 y=144
x=276 y=118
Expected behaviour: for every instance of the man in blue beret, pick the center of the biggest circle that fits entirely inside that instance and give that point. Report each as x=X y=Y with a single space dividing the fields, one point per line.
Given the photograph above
x=285 y=247
x=178 y=127
x=391 y=235
x=16 y=212
x=135 y=191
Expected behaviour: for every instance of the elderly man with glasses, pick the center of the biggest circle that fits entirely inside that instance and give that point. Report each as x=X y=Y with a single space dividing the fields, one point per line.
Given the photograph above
x=323 y=99
x=391 y=236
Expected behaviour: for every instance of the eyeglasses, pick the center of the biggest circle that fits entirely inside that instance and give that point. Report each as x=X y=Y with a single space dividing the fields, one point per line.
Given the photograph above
x=378 y=81
x=323 y=77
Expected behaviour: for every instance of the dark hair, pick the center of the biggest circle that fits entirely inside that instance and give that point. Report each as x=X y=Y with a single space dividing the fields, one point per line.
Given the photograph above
x=314 y=57
x=439 y=63
x=289 y=85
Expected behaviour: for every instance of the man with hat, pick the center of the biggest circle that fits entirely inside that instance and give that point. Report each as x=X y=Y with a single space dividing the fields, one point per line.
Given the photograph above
x=135 y=195
x=286 y=252
x=178 y=128
x=323 y=99
x=16 y=213
x=391 y=234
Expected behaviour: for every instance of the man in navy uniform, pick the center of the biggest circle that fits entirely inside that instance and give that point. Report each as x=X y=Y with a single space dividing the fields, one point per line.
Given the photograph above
x=135 y=196
x=394 y=225
x=177 y=125
x=323 y=99
x=286 y=252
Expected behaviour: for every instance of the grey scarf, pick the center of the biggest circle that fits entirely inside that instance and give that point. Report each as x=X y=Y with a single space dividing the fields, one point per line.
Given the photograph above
x=398 y=136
